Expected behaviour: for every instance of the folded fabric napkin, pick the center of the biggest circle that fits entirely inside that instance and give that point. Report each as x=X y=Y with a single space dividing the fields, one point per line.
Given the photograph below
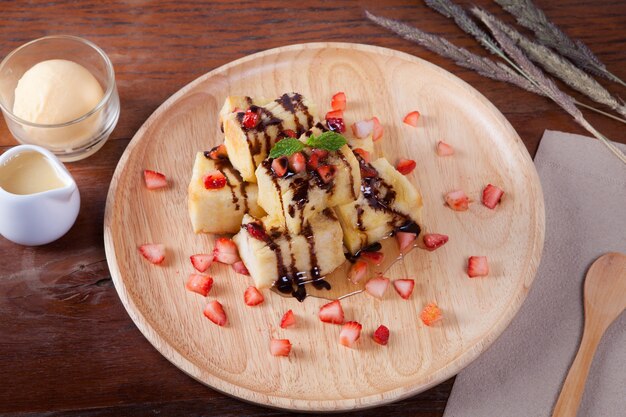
x=521 y=374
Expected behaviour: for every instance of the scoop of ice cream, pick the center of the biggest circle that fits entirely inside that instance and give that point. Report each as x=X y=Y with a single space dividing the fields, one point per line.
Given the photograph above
x=58 y=91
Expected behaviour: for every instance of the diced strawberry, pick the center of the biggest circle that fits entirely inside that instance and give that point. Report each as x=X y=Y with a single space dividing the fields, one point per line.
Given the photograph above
x=256 y=230
x=297 y=162
x=218 y=152
x=406 y=166
x=365 y=155
x=214 y=180
x=289 y=133
x=367 y=171
x=376 y=287
x=404 y=287
x=288 y=320
x=336 y=124
x=477 y=266
x=154 y=180
x=358 y=271
x=492 y=196
x=225 y=251
x=215 y=312
x=374 y=257
x=317 y=157
x=331 y=313
x=279 y=166
x=200 y=284
x=338 y=101
x=381 y=335
x=430 y=314
x=250 y=119
x=240 y=268
x=412 y=118
x=363 y=129
x=378 y=129
x=153 y=252
x=253 y=297
x=443 y=149
x=405 y=240
x=457 y=200
x=201 y=261
x=327 y=172
x=280 y=347
x=350 y=333
x=433 y=241
x=334 y=114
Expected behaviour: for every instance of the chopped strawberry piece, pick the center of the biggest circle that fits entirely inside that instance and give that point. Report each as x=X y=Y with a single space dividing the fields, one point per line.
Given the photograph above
x=443 y=149
x=412 y=118
x=334 y=114
x=288 y=320
x=378 y=129
x=215 y=312
x=297 y=162
x=201 y=261
x=363 y=129
x=154 y=180
x=240 y=268
x=381 y=335
x=256 y=230
x=214 y=180
x=430 y=314
x=327 y=173
x=492 y=196
x=477 y=266
x=200 y=284
x=405 y=240
x=336 y=124
x=289 y=133
x=358 y=271
x=375 y=257
x=250 y=119
x=368 y=171
x=218 y=152
x=280 y=347
x=376 y=287
x=338 y=101
x=279 y=166
x=404 y=287
x=225 y=251
x=317 y=157
x=350 y=333
x=457 y=200
x=406 y=166
x=153 y=252
x=365 y=155
x=331 y=313
x=253 y=297
x=433 y=241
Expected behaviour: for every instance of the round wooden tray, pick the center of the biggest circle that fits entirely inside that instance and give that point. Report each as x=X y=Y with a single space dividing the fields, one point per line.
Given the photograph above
x=320 y=374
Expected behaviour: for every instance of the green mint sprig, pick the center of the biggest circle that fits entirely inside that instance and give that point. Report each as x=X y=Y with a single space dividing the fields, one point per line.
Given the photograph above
x=330 y=141
x=286 y=147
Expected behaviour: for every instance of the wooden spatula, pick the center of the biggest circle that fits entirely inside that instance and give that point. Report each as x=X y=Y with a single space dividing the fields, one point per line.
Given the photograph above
x=605 y=299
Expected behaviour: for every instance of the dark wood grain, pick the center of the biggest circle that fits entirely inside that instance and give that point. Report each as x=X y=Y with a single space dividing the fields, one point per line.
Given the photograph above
x=67 y=346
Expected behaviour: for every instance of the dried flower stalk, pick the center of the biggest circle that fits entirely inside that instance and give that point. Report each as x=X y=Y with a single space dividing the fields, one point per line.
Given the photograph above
x=559 y=67
x=545 y=84
x=533 y=18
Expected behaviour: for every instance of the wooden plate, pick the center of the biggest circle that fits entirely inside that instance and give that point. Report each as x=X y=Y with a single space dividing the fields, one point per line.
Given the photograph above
x=320 y=374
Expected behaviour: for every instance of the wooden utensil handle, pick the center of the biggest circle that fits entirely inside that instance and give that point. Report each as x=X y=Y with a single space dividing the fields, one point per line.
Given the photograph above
x=574 y=385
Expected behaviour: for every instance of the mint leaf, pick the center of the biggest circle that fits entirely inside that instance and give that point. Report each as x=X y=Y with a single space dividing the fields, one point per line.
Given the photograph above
x=286 y=147
x=330 y=141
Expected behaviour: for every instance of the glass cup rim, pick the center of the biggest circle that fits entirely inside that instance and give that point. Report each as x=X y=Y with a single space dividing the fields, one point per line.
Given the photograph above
x=101 y=103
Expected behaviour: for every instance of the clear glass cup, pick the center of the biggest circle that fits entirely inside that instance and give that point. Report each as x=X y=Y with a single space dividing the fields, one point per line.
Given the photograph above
x=75 y=139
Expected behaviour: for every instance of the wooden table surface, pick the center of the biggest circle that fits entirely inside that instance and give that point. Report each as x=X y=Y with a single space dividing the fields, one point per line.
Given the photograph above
x=67 y=346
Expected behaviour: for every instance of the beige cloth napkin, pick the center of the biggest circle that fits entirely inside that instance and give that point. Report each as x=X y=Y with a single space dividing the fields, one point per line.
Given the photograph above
x=521 y=374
